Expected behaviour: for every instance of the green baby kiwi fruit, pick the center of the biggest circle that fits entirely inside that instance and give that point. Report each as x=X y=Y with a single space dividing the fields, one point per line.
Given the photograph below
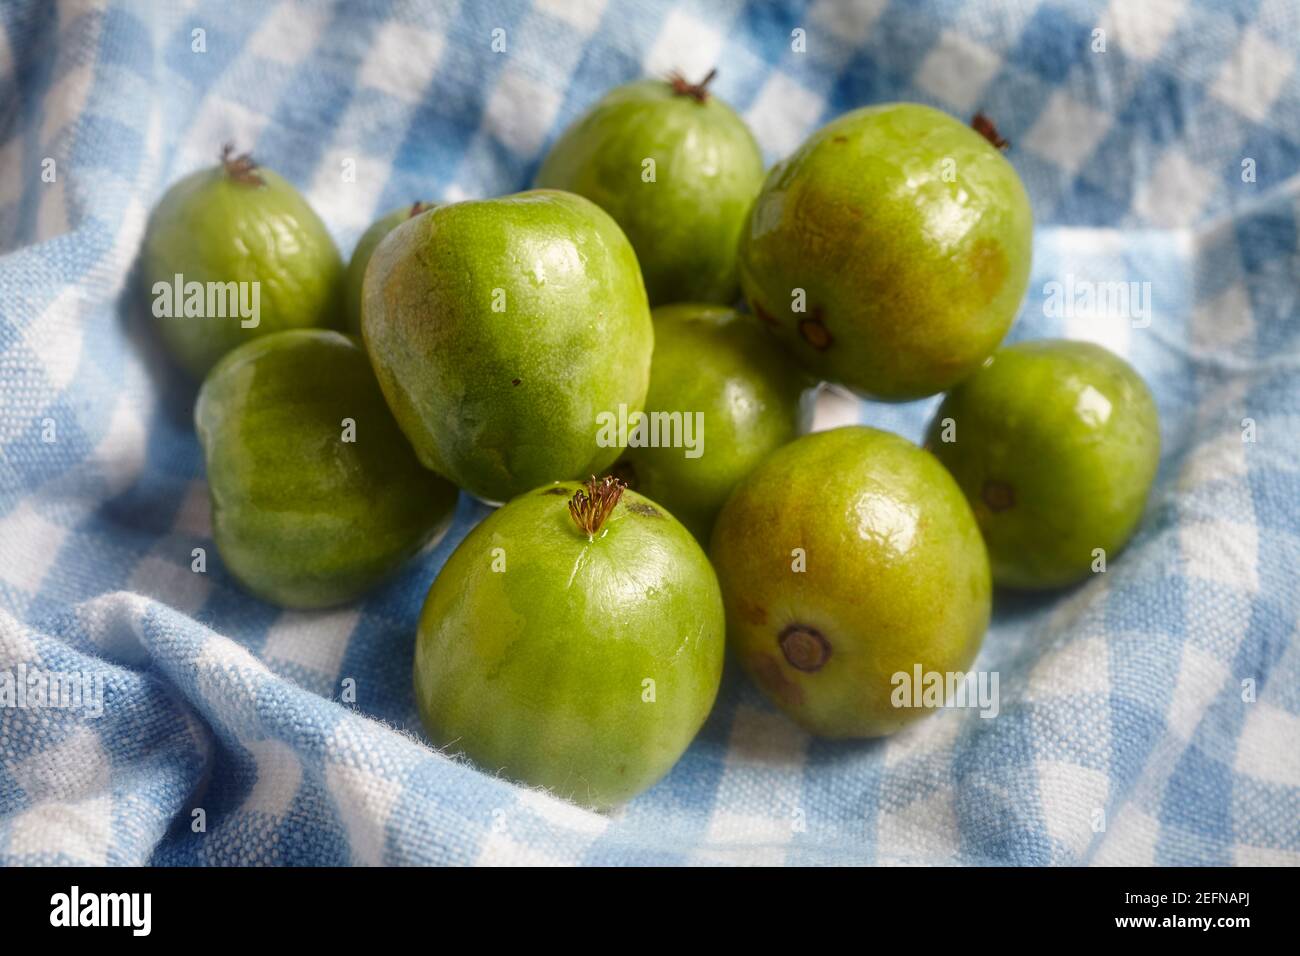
x=574 y=641
x=677 y=169
x=500 y=329
x=848 y=558
x=243 y=234
x=316 y=496
x=371 y=238
x=722 y=398
x=1056 y=445
x=891 y=251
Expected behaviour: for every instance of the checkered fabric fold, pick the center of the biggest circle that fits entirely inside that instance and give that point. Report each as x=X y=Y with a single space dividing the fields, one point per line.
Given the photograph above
x=1151 y=715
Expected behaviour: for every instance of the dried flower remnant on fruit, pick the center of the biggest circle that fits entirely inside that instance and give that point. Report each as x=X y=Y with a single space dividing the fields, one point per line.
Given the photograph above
x=592 y=505
x=986 y=128
x=696 y=91
x=240 y=168
x=805 y=648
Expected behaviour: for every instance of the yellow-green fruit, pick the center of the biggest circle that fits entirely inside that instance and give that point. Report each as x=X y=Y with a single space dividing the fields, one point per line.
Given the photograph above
x=890 y=252
x=573 y=643
x=1055 y=444
x=500 y=329
x=847 y=559
x=245 y=241
x=366 y=245
x=316 y=496
x=677 y=169
x=722 y=398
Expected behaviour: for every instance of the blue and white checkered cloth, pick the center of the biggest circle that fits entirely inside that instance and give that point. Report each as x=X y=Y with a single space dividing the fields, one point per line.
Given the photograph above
x=1151 y=715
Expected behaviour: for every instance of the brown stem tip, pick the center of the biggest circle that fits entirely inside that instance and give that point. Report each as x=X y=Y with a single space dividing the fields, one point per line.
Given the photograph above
x=418 y=207
x=696 y=91
x=984 y=126
x=590 y=506
x=241 y=169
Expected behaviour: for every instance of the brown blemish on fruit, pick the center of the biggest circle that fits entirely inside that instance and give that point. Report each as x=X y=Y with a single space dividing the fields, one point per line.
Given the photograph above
x=839 y=139
x=769 y=673
x=805 y=648
x=814 y=331
x=986 y=128
x=765 y=316
x=641 y=508
x=988 y=266
x=754 y=614
x=998 y=495
x=514 y=381
x=696 y=91
x=241 y=168
x=557 y=490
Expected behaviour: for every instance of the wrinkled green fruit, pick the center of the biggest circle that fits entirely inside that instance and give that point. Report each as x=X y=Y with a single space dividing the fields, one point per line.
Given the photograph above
x=500 y=329
x=582 y=664
x=243 y=224
x=1056 y=445
x=684 y=223
x=890 y=252
x=848 y=558
x=365 y=249
x=316 y=496
x=722 y=398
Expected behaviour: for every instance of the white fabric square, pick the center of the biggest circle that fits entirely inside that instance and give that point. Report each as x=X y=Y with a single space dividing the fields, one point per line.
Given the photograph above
x=957 y=70
x=316 y=640
x=520 y=111
x=1067 y=131
x=783 y=115
x=1140 y=29
x=29 y=543
x=685 y=44
x=401 y=61
x=1222 y=551
x=1175 y=192
x=290 y=32
x=582 y=15
x=1253 y=76
x=1269 y=746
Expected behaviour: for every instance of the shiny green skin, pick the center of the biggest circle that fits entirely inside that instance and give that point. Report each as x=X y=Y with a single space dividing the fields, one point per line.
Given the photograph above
x=212 y=228
x=910 y=281
x=896 y=575
x=302 y=518
x=371 y=238
x=715 y=361
x=536 y=671
x=685 y=225
x=501 y=402
x=1057 y=445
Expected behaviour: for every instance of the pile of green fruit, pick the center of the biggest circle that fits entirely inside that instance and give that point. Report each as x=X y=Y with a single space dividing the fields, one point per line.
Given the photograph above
x=508 y=347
